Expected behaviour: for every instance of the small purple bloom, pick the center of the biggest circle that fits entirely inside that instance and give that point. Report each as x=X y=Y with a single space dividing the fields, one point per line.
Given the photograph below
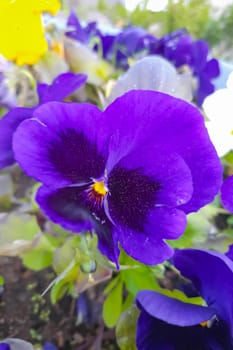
x=49 y=346
x=75 y=30
x=85 y=33
x=4 y=346
x=60 y=88
x=131 y=172
x=167 y=323
x=180 y=49
x=128 y=43
x=227 y=194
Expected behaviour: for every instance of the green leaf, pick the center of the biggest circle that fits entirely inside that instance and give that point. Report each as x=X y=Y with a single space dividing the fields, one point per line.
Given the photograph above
x=139 y=278
x=18 y=226
x=37 y=259
x=196 y=231
x=65 y=254
x=126 y=329
x=40 y=255
x=112 y=284
x=177 y=294
x=113 y=306
x=58 y=290
x=2 y=280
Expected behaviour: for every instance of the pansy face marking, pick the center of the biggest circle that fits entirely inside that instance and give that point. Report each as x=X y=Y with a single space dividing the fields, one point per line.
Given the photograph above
x=131 y=172
x=96 y=193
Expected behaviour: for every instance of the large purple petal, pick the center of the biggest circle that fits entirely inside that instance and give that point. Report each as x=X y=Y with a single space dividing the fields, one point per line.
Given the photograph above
x=212 y=275
x=144 y=118
x=227 y=194
x=71 y=208
x=8 y=125
x=173 y=311
x=62 y=144
x=142 y=246
x=64 y=85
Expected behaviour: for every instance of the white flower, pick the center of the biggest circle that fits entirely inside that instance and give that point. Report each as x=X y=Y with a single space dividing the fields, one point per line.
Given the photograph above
x=218 y=108
x=153 y=73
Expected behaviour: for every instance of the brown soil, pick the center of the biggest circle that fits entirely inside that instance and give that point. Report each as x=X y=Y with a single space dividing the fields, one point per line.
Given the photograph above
x=25 y=314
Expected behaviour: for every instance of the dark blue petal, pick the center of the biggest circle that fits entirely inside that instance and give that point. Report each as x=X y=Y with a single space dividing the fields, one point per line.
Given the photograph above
x=212 y=275
x=154 y=334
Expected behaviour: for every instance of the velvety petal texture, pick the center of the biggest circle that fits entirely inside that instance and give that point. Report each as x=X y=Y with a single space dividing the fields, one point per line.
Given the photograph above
x=131 y=172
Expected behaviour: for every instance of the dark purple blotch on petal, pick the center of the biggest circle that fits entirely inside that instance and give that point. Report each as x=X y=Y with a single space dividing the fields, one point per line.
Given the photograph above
x=79 y=153
x=132 y=195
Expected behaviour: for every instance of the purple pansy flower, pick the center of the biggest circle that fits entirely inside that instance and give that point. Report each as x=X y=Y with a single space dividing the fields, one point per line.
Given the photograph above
x=60 y=88
x=179 y=48
x=85 y=33
x=227 y=194
x=75 y=29
x=130 y=172
x=168 y=323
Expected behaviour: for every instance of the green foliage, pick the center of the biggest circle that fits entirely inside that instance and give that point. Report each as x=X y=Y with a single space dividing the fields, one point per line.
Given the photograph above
x=112 y=307
x=126 y=329
x=193 y=15
x=2 y=280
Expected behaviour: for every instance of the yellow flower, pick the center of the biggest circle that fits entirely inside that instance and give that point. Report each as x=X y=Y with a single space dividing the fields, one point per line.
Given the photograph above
x=22 y=36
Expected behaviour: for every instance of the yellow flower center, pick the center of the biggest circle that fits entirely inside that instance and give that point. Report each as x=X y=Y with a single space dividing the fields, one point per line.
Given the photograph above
x=204 y=324
x=100 y=188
